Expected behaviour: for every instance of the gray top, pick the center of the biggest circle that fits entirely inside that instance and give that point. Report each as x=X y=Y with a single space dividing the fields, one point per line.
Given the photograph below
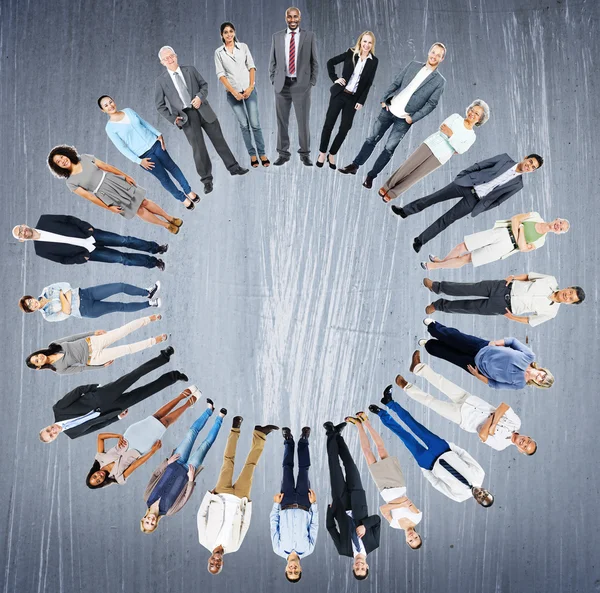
x=236 y=66
x=75 y=354
x=112 y=189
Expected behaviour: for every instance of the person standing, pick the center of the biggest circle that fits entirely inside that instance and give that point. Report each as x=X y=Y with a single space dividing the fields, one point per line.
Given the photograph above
x=354 y=532
x=68 y=240
x=295 y=515
x=413 y=95
x=293 y=69
x=348 y=93
x=180 y=97
x=225 y=513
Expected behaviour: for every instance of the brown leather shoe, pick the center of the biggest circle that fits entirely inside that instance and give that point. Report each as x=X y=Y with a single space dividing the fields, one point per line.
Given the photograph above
x=176 y=221
x=430 y=309
x=237 y=422
x=401 y=381
x=266 y=429
x=428 y=284
x=416 y=359
x=172 y=228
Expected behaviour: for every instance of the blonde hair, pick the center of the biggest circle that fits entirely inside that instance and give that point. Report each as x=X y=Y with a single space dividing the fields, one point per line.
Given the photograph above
x=145 y=529
x=548 y=380
x=356 y=48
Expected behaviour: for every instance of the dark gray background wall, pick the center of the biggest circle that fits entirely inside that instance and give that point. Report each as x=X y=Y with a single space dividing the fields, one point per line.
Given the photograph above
x=293 y=295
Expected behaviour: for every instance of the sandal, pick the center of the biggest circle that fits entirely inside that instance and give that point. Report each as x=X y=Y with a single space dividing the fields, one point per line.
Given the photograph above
x=362 y=416
x=253 y=162
x=265 y=162
x=351 y=420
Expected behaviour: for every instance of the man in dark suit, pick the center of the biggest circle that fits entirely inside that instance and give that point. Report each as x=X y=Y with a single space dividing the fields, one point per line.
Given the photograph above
x=481 y=186
x=293 y=69
x=413 y=95
x=356 y=533
x=69 y=240
x=180 y=96
x=89 y=408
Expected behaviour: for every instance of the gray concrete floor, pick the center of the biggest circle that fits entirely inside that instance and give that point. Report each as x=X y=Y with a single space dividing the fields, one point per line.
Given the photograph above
x=293 y=295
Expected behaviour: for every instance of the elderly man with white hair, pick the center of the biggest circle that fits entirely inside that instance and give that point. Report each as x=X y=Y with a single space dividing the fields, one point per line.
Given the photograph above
x=180 y=97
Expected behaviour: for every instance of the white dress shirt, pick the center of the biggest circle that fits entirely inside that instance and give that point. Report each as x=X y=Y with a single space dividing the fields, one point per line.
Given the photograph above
x=441 y=479
x=172 y=73
x=73 y=422
x=235 y=66
x=533 y=296
x=48 y=237
x=485 y=188
x=475 y=411
x=361 y=547
x=223 y=520
x=288 y=37
x=400 y=101
x=352 y=84
x=443 y=147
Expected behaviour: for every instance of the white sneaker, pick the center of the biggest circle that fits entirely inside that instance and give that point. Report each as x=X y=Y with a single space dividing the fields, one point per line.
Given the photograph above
x=155 y=303
x=153 y=290
x=422 y=342
x=428 y=320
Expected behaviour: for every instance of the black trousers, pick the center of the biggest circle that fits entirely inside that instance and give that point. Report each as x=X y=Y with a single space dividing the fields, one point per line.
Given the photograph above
x=459 y=210
x=495 y=297
x=342 y=487
x=345 y=103
x=194 y=132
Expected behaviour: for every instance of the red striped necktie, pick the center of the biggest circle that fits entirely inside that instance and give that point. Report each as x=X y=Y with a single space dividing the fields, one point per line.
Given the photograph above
x=292 y=61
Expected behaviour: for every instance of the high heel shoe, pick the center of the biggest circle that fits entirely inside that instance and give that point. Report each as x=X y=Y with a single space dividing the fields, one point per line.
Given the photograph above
x=319 y=164
x=331 y=165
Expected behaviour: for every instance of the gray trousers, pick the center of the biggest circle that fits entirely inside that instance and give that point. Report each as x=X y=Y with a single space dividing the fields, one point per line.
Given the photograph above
x=283 y=104
x=495 y=297
x=418 y=165
x=193 y=131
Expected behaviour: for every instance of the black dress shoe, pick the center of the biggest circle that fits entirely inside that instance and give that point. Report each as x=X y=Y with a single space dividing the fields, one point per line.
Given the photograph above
x=208 y=187
x=182 y=376
x=223 y=411
x=305 y=159
x=399 y=211
x=375 y=409
x=266 y=429
x=305 y=434
x=163 y=248
x=282 y=160
x=387 y=395
x=329 y=427
x=417 y=245
x=168 y=351
x=239 y=170
x=349 y=169
x=160 y=264
x=287 y=433
x=368 y=182
x=339 y=427
x=237 y=422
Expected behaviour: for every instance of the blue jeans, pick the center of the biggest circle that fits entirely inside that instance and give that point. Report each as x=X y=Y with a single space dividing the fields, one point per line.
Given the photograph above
x=163 y=165
x=248 y=118
x=105 y=239
x=426 y=455
x=91 y=300
x=185 y=448
x=454 y=346
x=295 y=491
x=384 y=121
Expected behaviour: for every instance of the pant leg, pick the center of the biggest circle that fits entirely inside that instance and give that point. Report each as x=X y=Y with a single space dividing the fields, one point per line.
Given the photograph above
x=449 y=192
x=225 y=480
x=195 y=136
x=419 y=164
x=185 y=447
x=448 y=410
x=458 y=211
x=336 y=104
x=197 y=457
x=108 y=239
x=99 y=343
x=95 y=309
x=160 y=172
x=253 y=117
x=353 y=481
x=170 y=166
x=398 y=132
x=457 y=394
x=288 y=486
x=348 y=113
x=243 y=484
x=104 y=291
x=302 y=481
x=91 y=304
x=441 y=350
x=493 y=291
x=283 y=106
x=417 y=450
x=139 y=394
x=239 y=111
x=384 y=120
x=112 y=256
x=301 y=104
x=336 y=475
x=214 y=132
x=456 y=339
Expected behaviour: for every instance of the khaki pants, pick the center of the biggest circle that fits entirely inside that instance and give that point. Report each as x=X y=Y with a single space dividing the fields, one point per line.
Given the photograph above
x=418 y=165
x=101 y=354
x=243 y=484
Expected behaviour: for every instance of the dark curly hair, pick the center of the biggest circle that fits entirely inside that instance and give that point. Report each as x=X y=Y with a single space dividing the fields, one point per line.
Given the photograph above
x=107 y=481
x=23 y=303
x=52 y=349
x=63 y=150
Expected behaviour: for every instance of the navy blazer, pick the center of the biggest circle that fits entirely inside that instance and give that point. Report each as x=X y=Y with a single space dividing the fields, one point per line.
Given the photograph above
x=486 y=171
x=366 y=78
x=425 y=99
x=68 y=226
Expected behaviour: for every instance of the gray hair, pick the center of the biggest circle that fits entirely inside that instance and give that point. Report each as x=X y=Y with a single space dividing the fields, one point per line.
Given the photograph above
x=163 y=48
x=568 y=227
x=486 y=110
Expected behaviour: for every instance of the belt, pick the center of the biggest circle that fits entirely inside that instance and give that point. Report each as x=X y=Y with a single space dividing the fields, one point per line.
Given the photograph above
x=474 y=193
x=349 y=92
x=101 y=182
x=507 y=297
x=89 y=343
x=295 y=506
x=290 y=79
x=512 y=238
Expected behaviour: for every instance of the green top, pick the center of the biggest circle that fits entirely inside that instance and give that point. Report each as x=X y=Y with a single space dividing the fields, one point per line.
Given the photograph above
x=531 y=235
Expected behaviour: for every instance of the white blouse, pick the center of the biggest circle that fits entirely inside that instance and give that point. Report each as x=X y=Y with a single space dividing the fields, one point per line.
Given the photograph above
x=461 y=140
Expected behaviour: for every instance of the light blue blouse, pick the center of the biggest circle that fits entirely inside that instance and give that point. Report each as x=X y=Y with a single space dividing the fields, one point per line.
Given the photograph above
x=52 y=311
x=134 y=138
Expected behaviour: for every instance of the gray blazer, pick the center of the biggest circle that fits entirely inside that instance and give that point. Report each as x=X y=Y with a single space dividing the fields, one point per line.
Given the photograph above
x=307 y=66
x=425 y=99
x=167 y=100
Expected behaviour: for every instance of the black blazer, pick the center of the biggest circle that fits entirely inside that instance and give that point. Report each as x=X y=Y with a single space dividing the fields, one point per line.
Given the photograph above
x=486 y=171
x=68 y=226
x=84 y=399
x=366 y=78
x=341 y=537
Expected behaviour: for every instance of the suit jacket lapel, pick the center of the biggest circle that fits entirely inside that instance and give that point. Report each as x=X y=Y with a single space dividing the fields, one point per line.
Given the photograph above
x=301 y=38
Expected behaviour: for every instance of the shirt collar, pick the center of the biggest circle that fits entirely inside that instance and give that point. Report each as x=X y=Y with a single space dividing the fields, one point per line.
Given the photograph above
x=173 y=72
x=289 y=31
x=236 y=45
